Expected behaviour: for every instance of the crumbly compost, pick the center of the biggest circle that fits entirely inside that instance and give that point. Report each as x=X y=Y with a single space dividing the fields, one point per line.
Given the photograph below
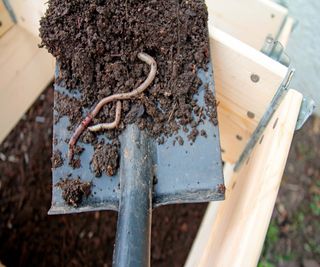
x=211 y=106
x=73 y=190
x=75 y=163
x=56 y=159
x=96 y=44
x=67 y=106
x=106 y=158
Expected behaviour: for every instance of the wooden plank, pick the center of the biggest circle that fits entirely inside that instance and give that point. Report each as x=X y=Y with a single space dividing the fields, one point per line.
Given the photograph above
x=28 y=13
x=25 y=71
x=5 y=20
x=233 y=231
x=242 y=101
x=250 y=21
x=286 y=31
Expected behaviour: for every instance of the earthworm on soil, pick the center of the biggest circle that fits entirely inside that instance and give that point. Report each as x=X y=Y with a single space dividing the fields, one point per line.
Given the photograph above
x=123 y=96
x=106 y=126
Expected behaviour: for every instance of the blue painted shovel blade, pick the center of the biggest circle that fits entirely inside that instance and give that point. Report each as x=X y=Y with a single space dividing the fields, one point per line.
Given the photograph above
x=185 y=174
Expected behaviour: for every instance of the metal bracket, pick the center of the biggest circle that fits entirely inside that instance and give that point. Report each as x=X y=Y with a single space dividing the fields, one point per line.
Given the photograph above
x=283 y=3
x=10 y=10
x=306 y=110
x=283 y=89
x=275 y=50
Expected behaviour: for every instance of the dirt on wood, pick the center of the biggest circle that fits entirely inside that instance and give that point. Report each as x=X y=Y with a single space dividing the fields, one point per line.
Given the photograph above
x=96 y=44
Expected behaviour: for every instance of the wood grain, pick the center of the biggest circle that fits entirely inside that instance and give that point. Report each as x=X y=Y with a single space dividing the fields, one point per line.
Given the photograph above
x=28 y=13
x=25 y=71
x=233 y=231
x=234 y=64
x=250 y=21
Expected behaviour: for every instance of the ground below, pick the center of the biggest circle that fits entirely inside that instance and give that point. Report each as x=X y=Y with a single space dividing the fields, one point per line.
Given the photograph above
x=29 y=237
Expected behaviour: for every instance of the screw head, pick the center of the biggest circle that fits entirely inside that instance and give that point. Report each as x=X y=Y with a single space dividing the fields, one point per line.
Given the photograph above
x=250 y=114
x=255 y=78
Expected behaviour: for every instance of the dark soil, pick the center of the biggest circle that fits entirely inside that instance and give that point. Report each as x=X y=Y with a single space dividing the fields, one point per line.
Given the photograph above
x=73 y=190
x=29 y=237
x=96 y=44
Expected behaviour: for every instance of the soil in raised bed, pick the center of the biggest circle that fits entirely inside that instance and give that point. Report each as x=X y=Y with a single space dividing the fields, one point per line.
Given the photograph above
x=96 y=44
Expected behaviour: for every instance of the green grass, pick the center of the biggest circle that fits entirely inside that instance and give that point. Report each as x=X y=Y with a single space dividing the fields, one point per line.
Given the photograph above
x=272 y=234
x=269 y=257
x=315 y=205
x=265 y=263
x=271 y=239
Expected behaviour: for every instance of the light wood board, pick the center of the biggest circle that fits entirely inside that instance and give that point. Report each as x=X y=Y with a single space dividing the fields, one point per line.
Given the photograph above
x=25 y=71
x=28 y=13
x=233 y=231
x=234 y=64
x=286 y=31
x=250 y=21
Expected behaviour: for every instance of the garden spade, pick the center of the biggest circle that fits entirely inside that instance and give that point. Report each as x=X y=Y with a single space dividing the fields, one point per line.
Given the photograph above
x=150 y=175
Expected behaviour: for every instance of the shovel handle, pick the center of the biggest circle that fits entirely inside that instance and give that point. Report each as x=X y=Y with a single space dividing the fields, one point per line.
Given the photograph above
x=132 y=246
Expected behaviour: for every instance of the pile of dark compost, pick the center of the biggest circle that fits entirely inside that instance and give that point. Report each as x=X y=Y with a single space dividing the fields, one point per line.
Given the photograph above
x=96 y=44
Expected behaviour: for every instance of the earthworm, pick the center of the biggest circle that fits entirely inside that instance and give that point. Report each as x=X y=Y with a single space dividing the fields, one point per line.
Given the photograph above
x=123 y=96
x=106 y=126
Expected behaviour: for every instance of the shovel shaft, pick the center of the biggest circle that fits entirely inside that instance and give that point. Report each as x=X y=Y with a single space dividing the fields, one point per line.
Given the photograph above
x=132 y=246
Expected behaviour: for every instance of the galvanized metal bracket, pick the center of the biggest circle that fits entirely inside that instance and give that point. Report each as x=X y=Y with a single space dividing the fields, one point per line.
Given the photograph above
x=10 y=10
x=283 y=3
x=265 y=119
x=275 y=50
x=306 y=110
